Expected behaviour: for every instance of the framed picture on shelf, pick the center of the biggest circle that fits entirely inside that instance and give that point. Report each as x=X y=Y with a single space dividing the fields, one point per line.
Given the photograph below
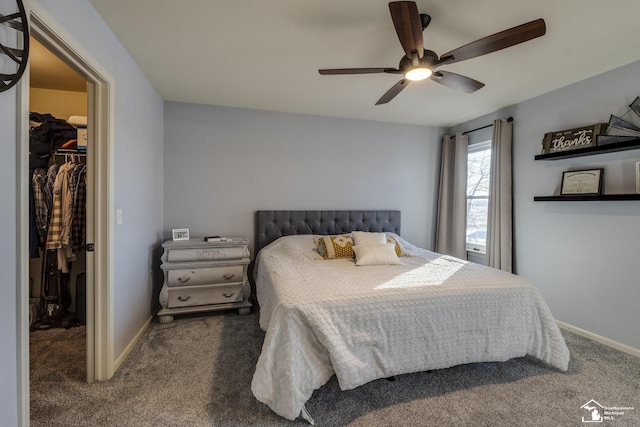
x=180 y=234
x=582 y=182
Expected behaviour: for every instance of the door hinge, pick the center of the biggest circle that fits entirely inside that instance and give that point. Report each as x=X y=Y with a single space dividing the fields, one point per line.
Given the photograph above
x=90 y=247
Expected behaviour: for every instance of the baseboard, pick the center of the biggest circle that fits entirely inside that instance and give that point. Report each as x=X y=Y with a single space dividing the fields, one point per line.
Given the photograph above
x=123 y=356
x=602 y=340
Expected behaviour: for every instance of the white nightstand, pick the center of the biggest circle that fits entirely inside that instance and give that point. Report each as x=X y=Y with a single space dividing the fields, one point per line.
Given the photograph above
x=201 y=276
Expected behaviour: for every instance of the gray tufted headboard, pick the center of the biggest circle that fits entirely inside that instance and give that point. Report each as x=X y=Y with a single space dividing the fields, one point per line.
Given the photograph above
x=273 y=224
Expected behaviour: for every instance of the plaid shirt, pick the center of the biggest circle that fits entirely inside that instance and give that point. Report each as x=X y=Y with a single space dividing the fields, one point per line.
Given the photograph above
x=56 y=223
x=78 y=229
x=48 y=189
x=41 y=210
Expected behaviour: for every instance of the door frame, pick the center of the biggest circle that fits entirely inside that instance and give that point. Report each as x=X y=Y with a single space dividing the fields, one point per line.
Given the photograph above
x=100 y=115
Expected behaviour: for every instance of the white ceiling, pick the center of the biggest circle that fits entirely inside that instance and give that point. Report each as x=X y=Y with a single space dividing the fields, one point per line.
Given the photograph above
x=266 y=54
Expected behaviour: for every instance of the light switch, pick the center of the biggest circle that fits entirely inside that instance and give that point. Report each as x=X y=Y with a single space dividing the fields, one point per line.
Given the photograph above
x=118 y=216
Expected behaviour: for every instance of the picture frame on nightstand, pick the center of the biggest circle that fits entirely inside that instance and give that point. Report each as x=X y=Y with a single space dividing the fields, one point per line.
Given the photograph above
x=180 y=233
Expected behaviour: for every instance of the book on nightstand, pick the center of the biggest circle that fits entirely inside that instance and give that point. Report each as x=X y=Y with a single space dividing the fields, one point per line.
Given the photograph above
x=211 y=239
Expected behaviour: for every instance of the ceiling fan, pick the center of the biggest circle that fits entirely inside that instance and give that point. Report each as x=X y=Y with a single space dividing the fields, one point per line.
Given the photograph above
x=420 y=63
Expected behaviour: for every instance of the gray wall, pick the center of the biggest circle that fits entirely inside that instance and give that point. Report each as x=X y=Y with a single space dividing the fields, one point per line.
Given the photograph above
x=137 y=190
x=223 y=164
x=583 y=256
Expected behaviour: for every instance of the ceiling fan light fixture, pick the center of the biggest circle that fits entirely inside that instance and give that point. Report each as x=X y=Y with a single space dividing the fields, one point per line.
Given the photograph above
x=419 y=73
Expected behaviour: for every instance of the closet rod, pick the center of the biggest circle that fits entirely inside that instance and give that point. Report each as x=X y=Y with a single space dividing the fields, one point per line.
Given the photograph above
x=510 y=119
x=62 y=152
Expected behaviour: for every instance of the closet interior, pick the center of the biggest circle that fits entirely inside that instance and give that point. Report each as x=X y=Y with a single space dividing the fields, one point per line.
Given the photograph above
x=57 y=202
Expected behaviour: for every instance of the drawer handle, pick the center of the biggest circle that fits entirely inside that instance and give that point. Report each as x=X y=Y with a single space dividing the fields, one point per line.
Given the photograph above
x=226 y=295
x=183 y=299
x=185 y=280
x=228 y=276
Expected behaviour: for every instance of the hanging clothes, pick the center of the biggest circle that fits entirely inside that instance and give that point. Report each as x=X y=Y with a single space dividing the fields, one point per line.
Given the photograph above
x=34 y=238
x=41 y=210
x=60 y=207
x=59 y=233
x=67 y=213
x=78 y=224
x=48 y=189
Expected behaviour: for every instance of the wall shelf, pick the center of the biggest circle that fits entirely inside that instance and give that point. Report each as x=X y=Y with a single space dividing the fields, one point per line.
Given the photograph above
x=633 y=144
x=579 y=198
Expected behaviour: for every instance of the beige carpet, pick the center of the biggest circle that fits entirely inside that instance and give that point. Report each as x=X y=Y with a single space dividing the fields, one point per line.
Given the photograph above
x=197 y=371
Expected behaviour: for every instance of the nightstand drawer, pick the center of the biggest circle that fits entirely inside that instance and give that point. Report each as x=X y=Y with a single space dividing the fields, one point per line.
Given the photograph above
x=206 y=253
x=185 y=296
x=202 y=276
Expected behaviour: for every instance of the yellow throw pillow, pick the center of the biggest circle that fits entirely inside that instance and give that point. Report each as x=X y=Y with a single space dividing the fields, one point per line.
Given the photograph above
x=340 y=246
x=398 y=247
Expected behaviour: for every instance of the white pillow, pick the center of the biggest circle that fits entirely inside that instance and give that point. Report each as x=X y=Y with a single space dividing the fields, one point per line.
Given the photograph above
x=364 y=238
x=376 y=254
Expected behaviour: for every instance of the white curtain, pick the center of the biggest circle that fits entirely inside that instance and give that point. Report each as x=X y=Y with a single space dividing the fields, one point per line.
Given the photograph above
x=499 y=226
x=452 y=197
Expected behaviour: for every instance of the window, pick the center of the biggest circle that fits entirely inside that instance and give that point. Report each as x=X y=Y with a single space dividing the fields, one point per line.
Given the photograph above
x=478 y=172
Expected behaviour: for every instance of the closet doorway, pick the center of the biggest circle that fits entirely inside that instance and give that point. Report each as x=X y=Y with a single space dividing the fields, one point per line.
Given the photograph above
x=58 y=150
x=99 y=204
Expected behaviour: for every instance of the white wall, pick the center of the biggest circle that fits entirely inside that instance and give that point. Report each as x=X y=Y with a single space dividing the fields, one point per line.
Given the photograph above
x=583 y=256
x=137 y=190
x=223 y=164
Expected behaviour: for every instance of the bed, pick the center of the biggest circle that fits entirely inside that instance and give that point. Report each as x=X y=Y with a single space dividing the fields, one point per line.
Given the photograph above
x=427 y=311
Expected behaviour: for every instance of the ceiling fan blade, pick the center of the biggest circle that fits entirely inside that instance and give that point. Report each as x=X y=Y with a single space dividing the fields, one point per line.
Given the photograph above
x=498 y=41
x=408 y=24
x=356 y=71
x=391 y=93
x=456 y=81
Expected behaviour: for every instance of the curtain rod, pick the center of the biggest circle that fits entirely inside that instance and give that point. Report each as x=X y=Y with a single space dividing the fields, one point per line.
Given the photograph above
x=510 y=119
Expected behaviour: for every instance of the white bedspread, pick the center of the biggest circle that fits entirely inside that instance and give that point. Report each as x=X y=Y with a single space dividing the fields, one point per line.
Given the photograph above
x=362 y=323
